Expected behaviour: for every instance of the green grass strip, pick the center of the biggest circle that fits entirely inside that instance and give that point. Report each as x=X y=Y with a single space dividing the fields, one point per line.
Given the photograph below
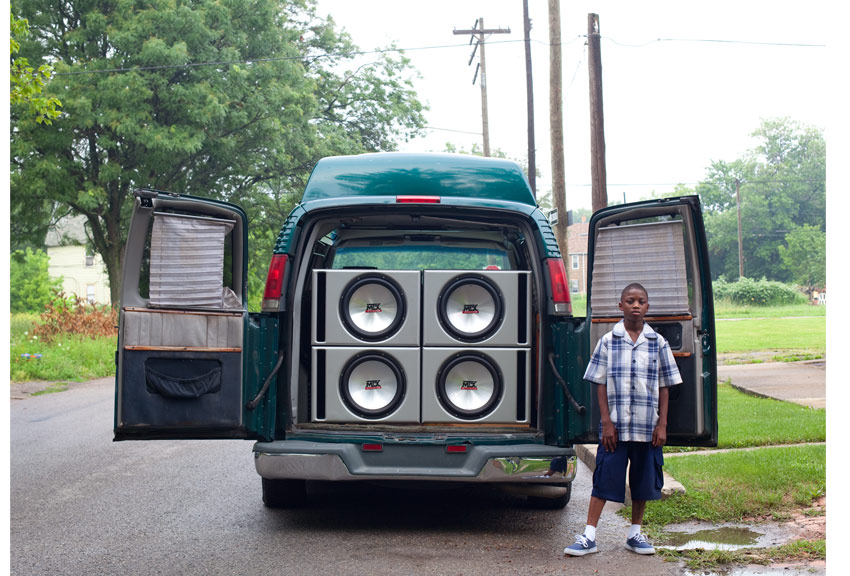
x=771 y=334
x=732 y=486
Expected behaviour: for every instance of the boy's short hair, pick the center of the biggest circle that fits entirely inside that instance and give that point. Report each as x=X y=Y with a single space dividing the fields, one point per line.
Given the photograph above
x=632 y=286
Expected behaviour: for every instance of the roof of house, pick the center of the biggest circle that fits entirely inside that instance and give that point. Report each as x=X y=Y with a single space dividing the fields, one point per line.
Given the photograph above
x=68 y=230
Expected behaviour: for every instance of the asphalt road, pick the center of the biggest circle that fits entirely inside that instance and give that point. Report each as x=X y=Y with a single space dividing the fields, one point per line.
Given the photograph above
x=82 y=504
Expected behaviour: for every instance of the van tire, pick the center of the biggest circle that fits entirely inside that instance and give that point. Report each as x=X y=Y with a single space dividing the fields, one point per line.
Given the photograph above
x=558 y=503
x=284 y=493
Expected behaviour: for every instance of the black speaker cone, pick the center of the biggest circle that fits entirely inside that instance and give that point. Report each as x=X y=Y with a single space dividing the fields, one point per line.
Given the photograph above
x=469 y=385
x=372 y=307
x=372 y=385
x=470 y=308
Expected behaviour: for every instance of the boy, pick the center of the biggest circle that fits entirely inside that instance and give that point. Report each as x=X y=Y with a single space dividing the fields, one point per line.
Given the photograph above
x=633 y=368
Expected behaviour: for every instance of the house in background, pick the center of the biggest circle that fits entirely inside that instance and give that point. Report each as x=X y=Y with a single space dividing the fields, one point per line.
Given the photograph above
x=577 y=262
x=83 y=273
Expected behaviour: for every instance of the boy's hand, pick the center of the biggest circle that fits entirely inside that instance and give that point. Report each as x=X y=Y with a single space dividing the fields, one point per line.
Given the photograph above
x=659 y=435
x=609 y=436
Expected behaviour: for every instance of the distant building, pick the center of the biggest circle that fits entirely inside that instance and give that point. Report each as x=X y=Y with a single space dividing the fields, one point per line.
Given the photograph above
x=577 y=261
x=83 y=273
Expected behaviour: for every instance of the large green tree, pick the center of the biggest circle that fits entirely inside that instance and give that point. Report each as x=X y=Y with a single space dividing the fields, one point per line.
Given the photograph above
x=782 y=184
x=233 y=99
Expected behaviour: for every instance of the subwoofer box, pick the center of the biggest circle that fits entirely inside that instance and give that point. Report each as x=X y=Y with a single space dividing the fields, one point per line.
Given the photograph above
x=361 y=384
x=489 y=385
x=481 y=308
x=357 y=307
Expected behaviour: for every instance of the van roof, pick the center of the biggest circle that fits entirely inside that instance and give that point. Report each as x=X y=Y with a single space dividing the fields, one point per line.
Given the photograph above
x=402 y=174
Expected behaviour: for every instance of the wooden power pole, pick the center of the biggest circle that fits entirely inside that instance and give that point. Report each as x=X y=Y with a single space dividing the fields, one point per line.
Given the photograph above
x=529 y=93
x=599 y=194
x=556 y=128
x=478 y=35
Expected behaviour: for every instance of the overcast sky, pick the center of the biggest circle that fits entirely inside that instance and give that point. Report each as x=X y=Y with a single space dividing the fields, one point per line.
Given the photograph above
x=684 y=83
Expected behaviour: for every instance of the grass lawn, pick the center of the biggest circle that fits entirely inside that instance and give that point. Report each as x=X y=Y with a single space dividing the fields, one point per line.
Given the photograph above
x=727 y=310
x=754 y=334
x=745 y=421
x=732 y=486
x=72 y=358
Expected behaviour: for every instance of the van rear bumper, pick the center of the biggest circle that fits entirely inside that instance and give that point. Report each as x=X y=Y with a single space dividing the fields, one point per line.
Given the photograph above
x=519 y=463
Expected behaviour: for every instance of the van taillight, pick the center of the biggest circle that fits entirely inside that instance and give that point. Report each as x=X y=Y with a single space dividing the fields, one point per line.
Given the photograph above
x=559 y=286
x=274 y=283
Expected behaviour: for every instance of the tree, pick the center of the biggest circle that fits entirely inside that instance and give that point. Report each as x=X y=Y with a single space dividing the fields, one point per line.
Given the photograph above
x=234 y=100
x=783 y=187
x=27 y=84
x=805 y=256
x=30 y=288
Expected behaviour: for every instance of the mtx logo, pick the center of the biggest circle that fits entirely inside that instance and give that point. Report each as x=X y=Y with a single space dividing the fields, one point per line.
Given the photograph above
x=470 y=309
x=373 y=384
x=373 y=307
x=469 y=385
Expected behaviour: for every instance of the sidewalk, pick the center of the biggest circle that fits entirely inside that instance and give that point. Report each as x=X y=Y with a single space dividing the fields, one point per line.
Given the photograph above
x=803 y=383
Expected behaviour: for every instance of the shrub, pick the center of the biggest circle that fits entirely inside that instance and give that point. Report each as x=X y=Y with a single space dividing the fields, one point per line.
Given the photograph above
x=757 y=292
x=30 y=287
x=75 y=315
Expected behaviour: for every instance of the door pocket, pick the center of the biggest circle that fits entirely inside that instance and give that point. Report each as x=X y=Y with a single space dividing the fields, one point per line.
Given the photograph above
x=171 y=386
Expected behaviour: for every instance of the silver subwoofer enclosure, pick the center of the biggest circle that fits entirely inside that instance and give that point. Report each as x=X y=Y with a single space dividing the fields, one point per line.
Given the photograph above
x=361 y=384
x=355 y=307
x=476 y=385
x=488 y=307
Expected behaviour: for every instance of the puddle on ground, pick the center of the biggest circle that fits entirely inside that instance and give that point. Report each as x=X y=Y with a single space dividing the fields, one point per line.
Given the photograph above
x=726 y=538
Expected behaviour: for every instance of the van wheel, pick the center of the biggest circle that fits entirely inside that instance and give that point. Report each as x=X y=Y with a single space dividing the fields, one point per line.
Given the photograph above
x=557 y=503
x=284 y=493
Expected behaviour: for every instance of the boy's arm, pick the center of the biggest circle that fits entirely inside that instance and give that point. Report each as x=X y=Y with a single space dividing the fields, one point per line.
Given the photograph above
x=609 y=431
x=659 y=435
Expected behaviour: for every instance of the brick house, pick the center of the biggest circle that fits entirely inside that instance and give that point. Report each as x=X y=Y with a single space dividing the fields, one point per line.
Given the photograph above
x=577 y=261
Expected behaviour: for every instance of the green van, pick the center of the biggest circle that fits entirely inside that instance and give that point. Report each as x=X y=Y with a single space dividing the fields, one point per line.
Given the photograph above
x=416 y=325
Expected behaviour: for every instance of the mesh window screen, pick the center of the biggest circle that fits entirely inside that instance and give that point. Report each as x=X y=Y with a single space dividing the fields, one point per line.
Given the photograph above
x=651 y=254
x=187 y=261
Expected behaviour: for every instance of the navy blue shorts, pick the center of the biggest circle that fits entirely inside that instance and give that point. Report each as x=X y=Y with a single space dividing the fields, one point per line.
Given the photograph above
x=645 y=476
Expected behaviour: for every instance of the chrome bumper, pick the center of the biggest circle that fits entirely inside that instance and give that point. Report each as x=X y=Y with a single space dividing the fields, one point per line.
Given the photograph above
x=523 y=463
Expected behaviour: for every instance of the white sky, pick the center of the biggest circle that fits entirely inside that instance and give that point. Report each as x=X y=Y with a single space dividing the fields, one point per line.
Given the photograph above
x=670 y=107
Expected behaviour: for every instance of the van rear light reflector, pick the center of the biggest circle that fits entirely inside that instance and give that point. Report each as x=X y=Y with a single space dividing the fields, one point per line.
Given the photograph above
x=417 y=199
x=456 y=448
x=274 y=283
x=372 y=447
x=559 y=286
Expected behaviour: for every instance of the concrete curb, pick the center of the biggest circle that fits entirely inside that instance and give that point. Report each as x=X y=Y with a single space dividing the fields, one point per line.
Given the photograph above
x=587 y=454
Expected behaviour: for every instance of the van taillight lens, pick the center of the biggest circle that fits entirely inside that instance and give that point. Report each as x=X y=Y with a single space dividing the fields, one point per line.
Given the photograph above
x=274 y=283
x=559 y=286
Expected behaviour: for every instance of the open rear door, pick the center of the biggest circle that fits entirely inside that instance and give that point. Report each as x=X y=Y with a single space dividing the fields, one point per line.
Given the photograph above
x=661 y=244
x=191 y=360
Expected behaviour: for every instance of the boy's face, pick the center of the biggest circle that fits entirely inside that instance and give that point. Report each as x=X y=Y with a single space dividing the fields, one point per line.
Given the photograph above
x=634 y=304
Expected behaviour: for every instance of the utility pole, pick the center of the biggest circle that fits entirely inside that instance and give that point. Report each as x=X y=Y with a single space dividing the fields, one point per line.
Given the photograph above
x=599 y=194
x=529 y=91
x=740 y=235
x=478 y=35
x=556 y=128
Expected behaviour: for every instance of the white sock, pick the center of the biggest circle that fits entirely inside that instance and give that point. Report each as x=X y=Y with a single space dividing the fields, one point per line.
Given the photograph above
x=634 y=530
x=590 y=532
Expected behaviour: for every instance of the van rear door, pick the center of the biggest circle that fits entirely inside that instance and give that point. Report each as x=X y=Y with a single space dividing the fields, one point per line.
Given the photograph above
x=191 y=360
x=660 y=244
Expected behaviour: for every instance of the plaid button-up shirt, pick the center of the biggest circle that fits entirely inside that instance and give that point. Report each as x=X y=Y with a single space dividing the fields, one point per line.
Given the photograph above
x=633 y=372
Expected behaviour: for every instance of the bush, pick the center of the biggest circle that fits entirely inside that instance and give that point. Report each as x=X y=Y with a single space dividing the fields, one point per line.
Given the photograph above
x=75 y=315
x=757 y=292
x=30 y=287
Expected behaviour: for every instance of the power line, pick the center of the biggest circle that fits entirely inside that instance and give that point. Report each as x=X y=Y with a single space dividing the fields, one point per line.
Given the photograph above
x=250 y=61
